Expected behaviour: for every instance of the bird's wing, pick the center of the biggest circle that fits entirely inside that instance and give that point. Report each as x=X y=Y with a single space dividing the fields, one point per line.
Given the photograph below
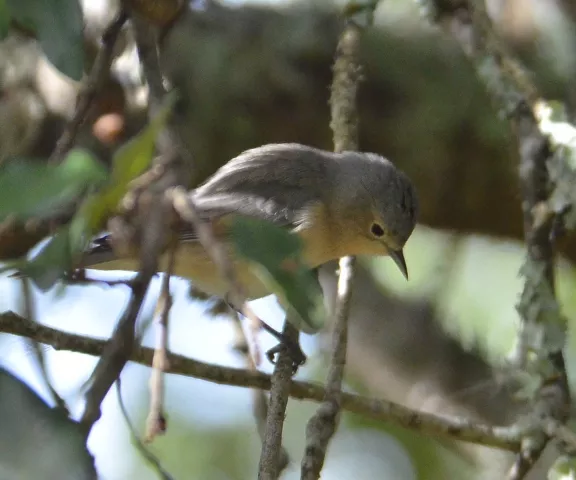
x=278 y=183
x=220 y=210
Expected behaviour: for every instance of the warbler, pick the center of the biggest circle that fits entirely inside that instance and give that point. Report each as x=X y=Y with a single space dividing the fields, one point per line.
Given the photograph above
x=339 y=204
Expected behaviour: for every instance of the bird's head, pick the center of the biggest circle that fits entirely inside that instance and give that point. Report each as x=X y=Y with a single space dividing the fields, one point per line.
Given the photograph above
x=381 y=203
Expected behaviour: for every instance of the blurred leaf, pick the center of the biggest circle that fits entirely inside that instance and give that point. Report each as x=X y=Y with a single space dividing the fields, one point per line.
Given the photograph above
x=34 y=189
x=277 y=253
x=58 y=25
x=4 y=19
x=130 y=161
x=63 y=250
x=53 y=260
x=564 y=468
x=33 y=435
x=57 y=256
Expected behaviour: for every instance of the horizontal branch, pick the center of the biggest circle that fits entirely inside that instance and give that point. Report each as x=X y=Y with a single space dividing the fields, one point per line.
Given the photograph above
x=506 y=438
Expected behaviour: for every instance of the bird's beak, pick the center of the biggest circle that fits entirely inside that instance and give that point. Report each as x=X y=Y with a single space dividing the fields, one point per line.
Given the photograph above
x=399 y=260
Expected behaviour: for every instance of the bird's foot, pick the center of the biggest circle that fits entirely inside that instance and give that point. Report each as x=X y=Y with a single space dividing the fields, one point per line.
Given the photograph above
x=297 y=356
x=292 y=347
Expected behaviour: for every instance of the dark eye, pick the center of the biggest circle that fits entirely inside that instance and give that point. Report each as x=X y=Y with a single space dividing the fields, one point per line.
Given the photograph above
x=376 y=230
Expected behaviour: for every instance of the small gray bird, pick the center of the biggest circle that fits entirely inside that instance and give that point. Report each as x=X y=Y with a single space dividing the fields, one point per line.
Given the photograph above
x=340 y=204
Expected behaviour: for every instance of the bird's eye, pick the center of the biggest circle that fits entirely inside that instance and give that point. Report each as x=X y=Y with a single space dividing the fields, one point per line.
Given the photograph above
x=376 y=230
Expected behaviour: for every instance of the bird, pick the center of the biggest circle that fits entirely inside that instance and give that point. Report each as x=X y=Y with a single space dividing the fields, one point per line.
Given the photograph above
x=339 y=204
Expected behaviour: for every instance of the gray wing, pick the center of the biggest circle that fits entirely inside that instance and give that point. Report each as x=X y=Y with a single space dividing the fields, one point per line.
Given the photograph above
x=275 y=182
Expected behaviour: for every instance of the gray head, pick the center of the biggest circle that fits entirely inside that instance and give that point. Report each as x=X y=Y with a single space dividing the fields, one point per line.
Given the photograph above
x=382 y=200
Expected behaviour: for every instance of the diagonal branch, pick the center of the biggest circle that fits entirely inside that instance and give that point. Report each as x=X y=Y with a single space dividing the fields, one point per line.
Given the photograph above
x=38 y=352
x=216 y=250
x=119 y=349
x=91 y=87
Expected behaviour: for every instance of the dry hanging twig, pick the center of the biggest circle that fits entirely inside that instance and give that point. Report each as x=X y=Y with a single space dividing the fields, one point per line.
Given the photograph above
x=156 y=421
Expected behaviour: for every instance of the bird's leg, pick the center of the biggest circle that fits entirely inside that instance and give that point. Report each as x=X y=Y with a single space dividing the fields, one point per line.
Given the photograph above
x=295 y=351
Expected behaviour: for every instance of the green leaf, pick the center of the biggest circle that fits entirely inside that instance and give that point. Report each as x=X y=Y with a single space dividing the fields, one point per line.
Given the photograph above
x=57 y=256
x=130 y=161
x=275 y=254
x=62 y=251
x=35 y=189
x=4 y=19
x=53 y=260
x=58 y=26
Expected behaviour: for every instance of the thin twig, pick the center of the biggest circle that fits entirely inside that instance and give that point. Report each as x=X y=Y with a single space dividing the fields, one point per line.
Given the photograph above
x=156 y=421
x=259 y=399
x=506 y=438
x=184 y=206
x=146 y=454
x=344 y=123
x=270 y=458
x=120 y=346
x=322 y=426
x=92 y=86
x=115 y=356
x=30 y=314
x=169 y=141
x=524 y=460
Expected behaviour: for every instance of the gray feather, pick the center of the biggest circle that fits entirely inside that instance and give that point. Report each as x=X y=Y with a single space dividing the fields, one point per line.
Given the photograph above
x=274 y=182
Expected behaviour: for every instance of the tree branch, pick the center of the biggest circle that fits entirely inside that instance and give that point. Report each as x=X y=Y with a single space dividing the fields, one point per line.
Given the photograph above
x=344 y=123
x=216 y=251
x=118 y=350
x=259 y=398
x=271 y=455
x=506 y=438
x=91 y=87
x=541 y=326
x=38 y=352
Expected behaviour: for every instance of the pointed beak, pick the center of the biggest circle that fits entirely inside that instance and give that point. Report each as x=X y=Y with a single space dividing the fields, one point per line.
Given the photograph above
x=399 y=260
